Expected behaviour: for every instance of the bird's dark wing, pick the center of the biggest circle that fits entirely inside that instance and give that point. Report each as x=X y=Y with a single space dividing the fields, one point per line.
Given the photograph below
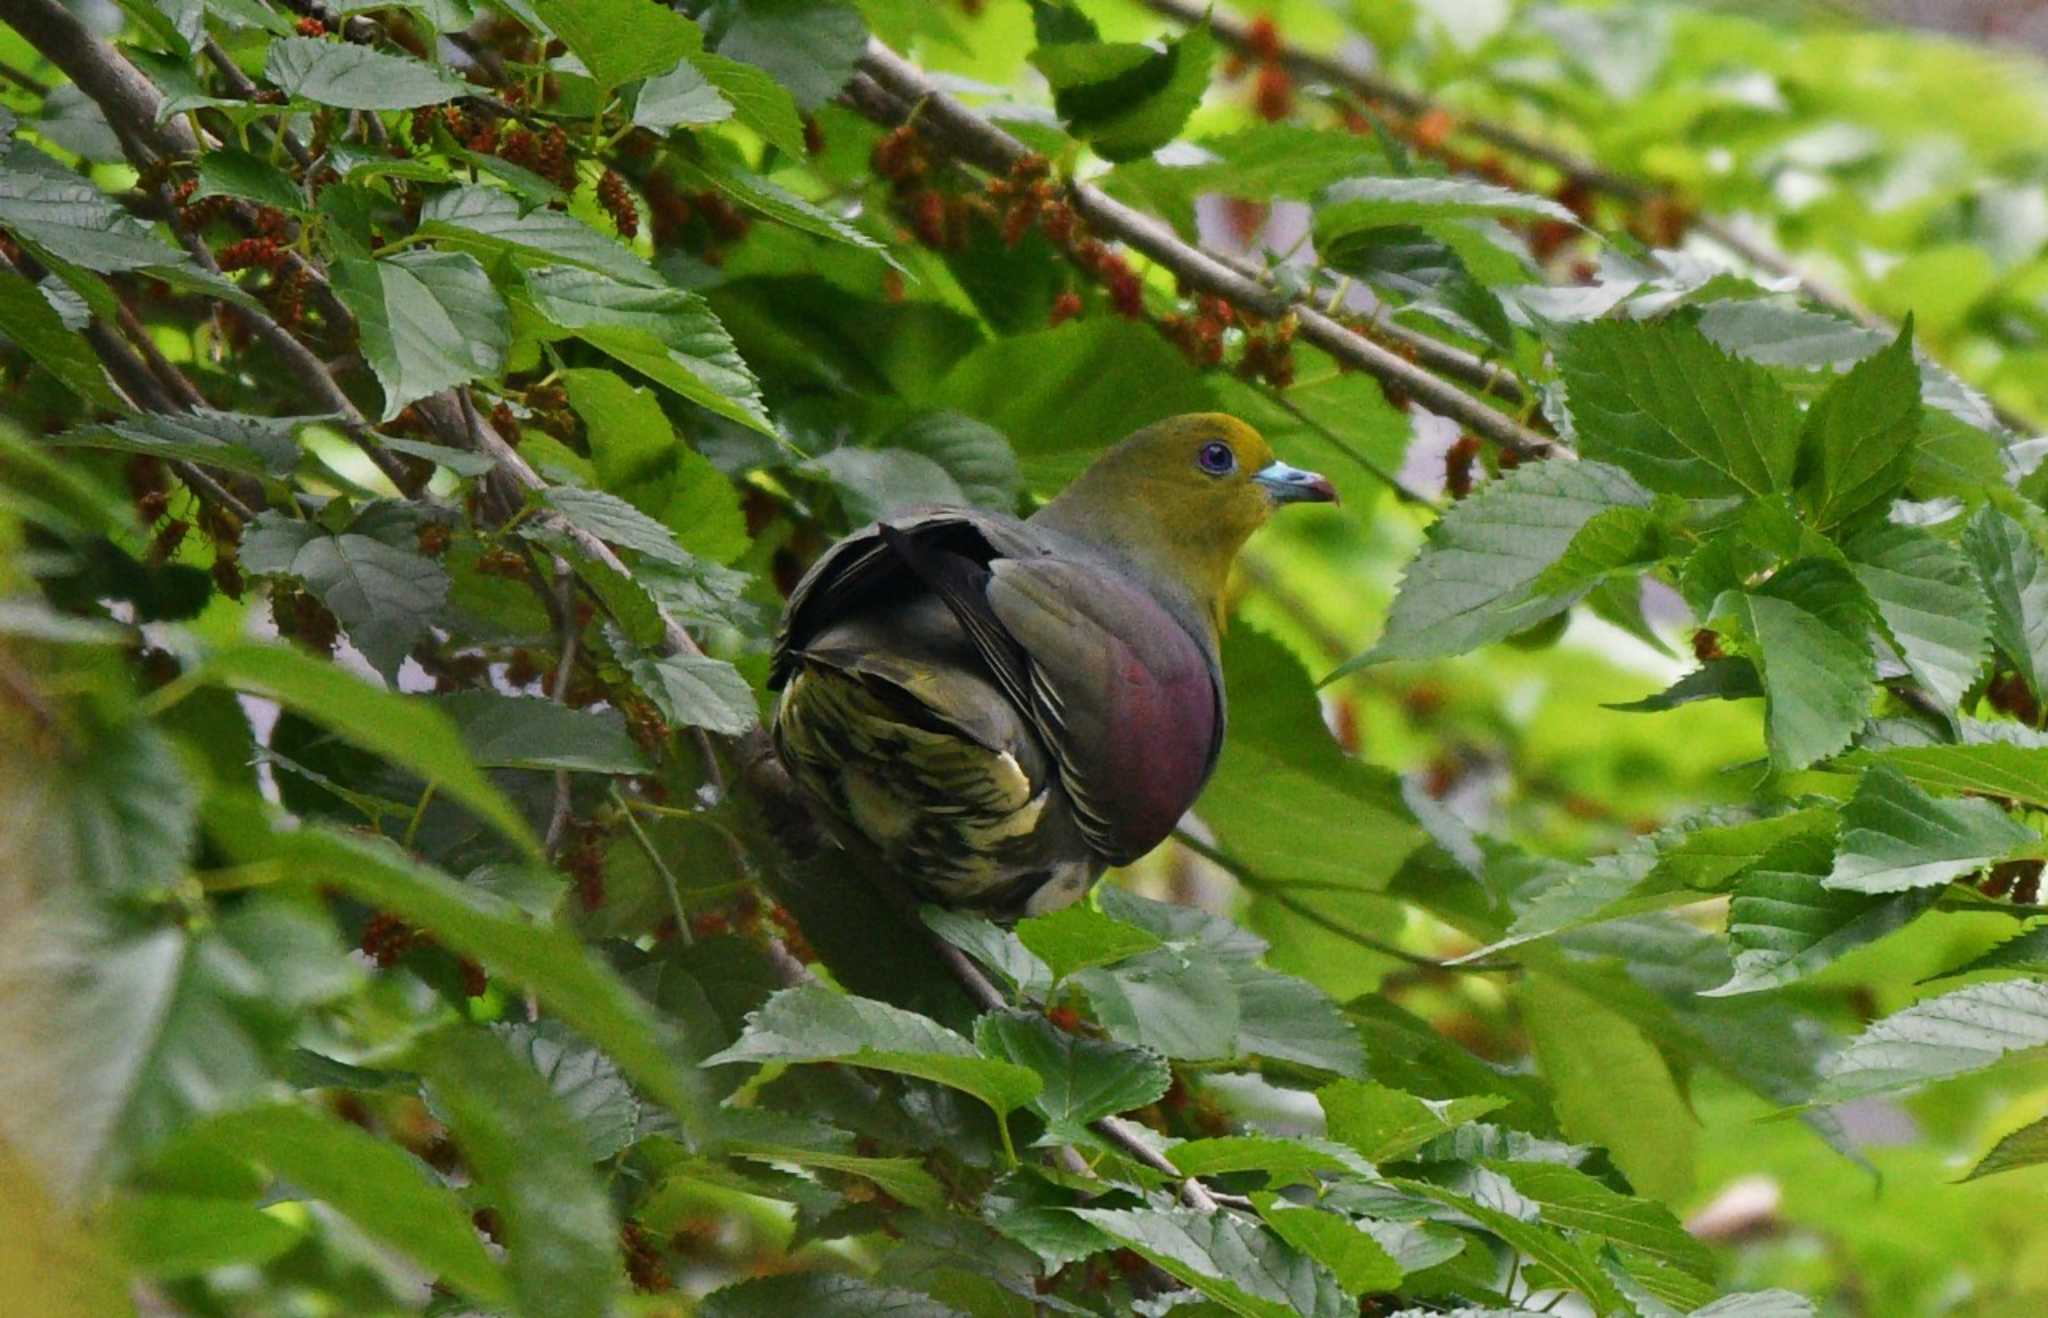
x=1127 y=701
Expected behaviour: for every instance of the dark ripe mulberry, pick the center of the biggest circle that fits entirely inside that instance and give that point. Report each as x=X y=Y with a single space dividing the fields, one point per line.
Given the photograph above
x=310 y=27
x=814 y=136
x=1064 y=308
x=165 y=546
x=553 y=162
x=227 y=575
x=1018 y=219
x=1273 y=93
x=1706 y=645
x=928 y=216
x=434 y=538
x=520 y=147
x=1058 y=222
x=251 y=253
x=386 y=938
x=617 y=199
x=1460 y=461
x=1262 y=38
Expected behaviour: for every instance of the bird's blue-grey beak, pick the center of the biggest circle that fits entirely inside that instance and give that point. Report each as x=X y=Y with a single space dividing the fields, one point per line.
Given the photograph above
x=1285 y=484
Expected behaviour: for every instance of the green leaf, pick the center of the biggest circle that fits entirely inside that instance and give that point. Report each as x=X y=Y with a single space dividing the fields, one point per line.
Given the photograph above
x=1176 y=1001
x=1939 y=1037
x=1127 y=100
x=1282 y=777
x=589 y=1086
x=1386 y=1125
x=429 y=321
x=233 y=441
x=172 y=1236
x=1475 y=579
x=1860 y=437
x=130 y=811
x=408 y=732
x=641 y=458
x=1411 y=262
x=229 y=172
x=1931 y=605
x=697 y=691
x=1785 y=922
x=1706 y=856
x=1895 y=836
x=1590 y=1053
x=872 y=483
x=1084 y=1079
x=615 y=521
x=1575 y=1201
x=389 y=1195
x=72 y=220
x=785 y=207
x=1806 y=629
x=1266 y=162
x=561 y=1242
x=491 y=221
x=1360 y=1263
x=976 y=456
x=384 y=593
x=530 y=732
x=352 y=77
x=996 y=948
x=27 y=318
x=620 y=41
x=1077 y=937
x=1241 y=1265
x=1679 y=414
x=2025 y=1147
x=1990 y=768
x=1296 y=1158
x=1291 y=1020
x=1572 y=1262
x=758 y=101
x=817 y=1292
x=667 y=334
x=681 y=97
x=815 y=1024
x=2015 y=577
x=1358 y=204
x=1717 y=679
x=2023 y=951
x=560 y=972
x=812 y=49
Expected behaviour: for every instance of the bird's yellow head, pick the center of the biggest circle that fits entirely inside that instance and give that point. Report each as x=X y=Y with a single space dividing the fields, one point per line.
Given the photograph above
x=1180 y=497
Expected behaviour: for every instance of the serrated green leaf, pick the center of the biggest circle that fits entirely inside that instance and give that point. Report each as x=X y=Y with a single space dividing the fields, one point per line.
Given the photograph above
x=490 y=221
x=234 y=441
x=175 y=1236
x=1805 y=629
x=641 y=458
x=1386 y=1125
x=352 y=77
x=833 y=1293
x=1084 y=1079
x=1989 y=768
x=978 y=457
x=697 y=691
x=615 y=521
x=1931 y=604
x=1786 y=923
x=1128 y=100
x=71 y=219
x=531 y=732
x=1358 y=204
x=667 y=334
x=812 y=50
x=388 y=1194
x=815 y=1024
x=1895 y=836
x=1572 y=1262
x=428 y=320
x=384 y=594
x=1717 y=679
x=620 y=41
x=1288 y=1019
x=2014 y=573
x=1858 y=444
x=1077 y=937
x=1590 y=1053
x=872 y=483
x=1415 y=264
x=28 y=319
x=1475 y=579
x=2026 y=951
x=1241 y=1265
x=1571 y=1199
x=1361 y=1265
x=1935 y=1038
x=405 y=731
x=2025 y=1147
x=1176 y=1001
x=1296 y=1158
x=561 y=1242
x=1679 y=414
x=130 y=809
x=229 y=172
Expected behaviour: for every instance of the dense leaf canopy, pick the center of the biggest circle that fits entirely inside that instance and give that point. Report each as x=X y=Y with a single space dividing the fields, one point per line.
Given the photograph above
x=1616 y=884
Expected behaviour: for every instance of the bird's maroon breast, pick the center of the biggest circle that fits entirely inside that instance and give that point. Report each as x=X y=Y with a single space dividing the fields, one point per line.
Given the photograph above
x=1161 y=739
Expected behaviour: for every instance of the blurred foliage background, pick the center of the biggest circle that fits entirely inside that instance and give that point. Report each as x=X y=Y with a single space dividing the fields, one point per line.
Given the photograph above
x=724 y=309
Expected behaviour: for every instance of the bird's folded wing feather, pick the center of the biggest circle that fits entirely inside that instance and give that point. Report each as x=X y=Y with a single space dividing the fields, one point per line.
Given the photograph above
x=1126 y=699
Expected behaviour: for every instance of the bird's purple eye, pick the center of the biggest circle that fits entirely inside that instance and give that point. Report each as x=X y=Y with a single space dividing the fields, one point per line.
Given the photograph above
x=1216 y=459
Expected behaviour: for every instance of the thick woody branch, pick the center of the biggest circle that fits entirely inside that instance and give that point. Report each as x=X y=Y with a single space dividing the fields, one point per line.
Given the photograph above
x=123 y=94
x=1308 y=65
x=979 y=142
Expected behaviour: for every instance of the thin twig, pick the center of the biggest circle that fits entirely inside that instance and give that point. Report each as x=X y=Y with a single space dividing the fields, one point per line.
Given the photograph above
x=34 y=86
x=563 y=605
x=668 y=876
x=889 y=82
x=1278 y=893
x=238 y=83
